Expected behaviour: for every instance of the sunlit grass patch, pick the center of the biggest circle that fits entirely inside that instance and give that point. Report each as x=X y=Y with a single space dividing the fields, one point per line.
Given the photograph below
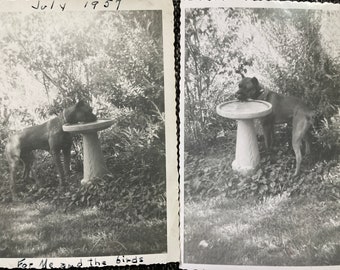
x=23 y=227
x=277 y=231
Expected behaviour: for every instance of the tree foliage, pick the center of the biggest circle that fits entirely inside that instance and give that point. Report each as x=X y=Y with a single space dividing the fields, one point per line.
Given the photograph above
x=287 y=50
x=122 y=61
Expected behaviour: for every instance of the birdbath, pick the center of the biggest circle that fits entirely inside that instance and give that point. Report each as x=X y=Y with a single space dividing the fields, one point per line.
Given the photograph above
x=94 y=163
x=247 y=155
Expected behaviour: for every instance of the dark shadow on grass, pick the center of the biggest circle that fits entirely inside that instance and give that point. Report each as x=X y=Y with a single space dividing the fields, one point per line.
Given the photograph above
x=41 y=230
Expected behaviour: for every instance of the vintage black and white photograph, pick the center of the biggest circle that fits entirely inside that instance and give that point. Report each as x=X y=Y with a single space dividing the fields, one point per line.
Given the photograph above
x=260 y=125
x=83 y=133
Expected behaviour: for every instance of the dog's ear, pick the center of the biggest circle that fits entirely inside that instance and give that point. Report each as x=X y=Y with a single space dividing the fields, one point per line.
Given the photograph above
x=69 y=116
x=80 y=103
x=68 y=113
x=256 y=83
x=254 y=80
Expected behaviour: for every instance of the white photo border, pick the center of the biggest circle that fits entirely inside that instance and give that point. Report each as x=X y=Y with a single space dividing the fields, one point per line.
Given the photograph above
x=172 y=189
x=188 y=4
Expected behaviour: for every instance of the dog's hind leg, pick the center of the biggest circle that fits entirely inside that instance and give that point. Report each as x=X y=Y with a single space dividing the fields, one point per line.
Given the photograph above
x=307 y=140
x=298 y=157
x=13 y=158
x=13 y=165
x=300 y=127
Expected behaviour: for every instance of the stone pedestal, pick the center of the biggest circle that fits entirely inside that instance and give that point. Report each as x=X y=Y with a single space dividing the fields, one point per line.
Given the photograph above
x=94 y=162
x=247 y=155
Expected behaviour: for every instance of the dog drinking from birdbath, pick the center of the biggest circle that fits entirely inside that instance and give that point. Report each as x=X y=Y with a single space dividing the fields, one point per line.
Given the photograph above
x=48 y=136
x=285 y=109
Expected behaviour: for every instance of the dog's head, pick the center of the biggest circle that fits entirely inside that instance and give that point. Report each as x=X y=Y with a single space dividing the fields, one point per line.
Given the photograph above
x=80 y=112
x=249 y=88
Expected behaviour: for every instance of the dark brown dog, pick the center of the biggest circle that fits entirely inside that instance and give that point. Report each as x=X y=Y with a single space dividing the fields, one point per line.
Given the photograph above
x=284 y=109
x=48 y=136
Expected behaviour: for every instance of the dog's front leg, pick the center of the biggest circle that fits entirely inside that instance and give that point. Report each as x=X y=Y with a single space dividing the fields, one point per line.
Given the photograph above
x=66 y=149
x=56 y=157
x=67 y=161
x=268 y=135
x=268 y=130
x=27 y=159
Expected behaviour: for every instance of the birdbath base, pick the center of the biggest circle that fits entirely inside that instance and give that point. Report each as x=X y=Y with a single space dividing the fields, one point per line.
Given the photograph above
x=94 y=163
x=247 y=155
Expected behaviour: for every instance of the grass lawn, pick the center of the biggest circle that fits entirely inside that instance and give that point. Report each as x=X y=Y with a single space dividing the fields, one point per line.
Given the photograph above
x=277 y=231
x=268 y=218
x=42 y=230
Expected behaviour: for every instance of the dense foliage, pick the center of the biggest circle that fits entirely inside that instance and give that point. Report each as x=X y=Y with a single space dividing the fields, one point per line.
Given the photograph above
x=210 y=175
x=292 y=52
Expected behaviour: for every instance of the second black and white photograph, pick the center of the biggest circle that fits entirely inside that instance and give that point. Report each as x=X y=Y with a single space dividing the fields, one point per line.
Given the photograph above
x=87 y=121
x=260 y=123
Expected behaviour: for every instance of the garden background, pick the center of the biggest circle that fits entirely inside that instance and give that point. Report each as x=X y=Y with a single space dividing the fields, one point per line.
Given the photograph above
x=270 y=217
x=114 y=61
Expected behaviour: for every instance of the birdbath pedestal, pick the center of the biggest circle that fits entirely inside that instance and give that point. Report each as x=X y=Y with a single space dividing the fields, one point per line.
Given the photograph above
x=94 y=163
x=247 y=155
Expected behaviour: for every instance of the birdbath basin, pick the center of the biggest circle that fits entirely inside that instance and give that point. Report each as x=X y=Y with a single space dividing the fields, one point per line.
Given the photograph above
x=94 y=163
x=247 y=155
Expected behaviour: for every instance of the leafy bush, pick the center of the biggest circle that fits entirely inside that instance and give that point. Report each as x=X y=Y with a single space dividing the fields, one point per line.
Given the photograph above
x=298 y=62
x=327 y=136
x=210 y=175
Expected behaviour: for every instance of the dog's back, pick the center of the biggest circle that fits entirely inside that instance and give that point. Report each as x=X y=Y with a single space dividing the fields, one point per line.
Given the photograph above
x=286 y=107
x=35 y=137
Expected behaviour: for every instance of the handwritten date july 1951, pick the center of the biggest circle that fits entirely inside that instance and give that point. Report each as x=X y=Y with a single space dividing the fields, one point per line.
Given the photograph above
x=54 y=5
